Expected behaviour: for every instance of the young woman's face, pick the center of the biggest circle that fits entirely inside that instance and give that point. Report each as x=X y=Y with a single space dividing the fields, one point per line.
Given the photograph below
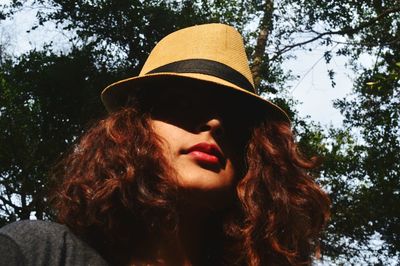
x=203 y=139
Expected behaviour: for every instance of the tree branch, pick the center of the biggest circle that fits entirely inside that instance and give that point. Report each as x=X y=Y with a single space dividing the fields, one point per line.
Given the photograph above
x=347 y=30
x=265 y=28
x=8 y=202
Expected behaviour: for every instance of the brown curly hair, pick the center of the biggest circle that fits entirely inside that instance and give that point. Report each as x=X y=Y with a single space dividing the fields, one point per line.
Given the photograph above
x=115 y=191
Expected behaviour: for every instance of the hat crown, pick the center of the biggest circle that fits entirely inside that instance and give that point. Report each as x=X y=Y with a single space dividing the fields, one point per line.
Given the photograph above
x=212 y=55
x=216 y=42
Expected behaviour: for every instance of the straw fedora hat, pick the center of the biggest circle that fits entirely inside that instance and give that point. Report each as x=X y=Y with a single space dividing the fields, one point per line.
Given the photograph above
x=210 y=53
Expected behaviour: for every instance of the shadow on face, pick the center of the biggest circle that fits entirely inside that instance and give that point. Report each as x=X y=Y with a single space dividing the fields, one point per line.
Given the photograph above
x=191 y=104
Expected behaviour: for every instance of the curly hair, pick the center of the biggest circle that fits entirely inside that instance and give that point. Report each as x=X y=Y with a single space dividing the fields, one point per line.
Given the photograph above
x=284 y=210
x=115 y=191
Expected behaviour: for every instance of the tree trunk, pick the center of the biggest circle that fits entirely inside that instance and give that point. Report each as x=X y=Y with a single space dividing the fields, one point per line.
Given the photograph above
x=265 y=27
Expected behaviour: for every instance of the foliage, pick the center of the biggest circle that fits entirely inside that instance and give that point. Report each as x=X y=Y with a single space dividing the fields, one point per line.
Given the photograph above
x=375 y=114
x=19 y=122
x=45 y=102
x=361 y=160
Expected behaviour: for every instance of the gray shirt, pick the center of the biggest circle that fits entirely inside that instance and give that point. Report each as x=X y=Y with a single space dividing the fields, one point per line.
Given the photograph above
x=44 y=243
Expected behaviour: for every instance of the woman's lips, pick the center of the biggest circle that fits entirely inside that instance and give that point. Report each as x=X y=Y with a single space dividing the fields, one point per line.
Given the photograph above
x=207 y=153
x=204 y=157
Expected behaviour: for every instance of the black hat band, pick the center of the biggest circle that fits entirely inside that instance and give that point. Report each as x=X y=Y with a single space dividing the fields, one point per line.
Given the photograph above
x=207 y=67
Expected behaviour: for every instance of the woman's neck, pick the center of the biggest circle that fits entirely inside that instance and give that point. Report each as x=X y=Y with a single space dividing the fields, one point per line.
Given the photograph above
x=192 y=239
x=199 y=234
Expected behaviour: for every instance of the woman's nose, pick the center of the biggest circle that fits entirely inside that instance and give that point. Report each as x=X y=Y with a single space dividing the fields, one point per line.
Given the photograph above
x=213 y=125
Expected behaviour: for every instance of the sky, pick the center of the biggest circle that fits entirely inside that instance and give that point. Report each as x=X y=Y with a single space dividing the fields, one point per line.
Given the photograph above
x=312 y=89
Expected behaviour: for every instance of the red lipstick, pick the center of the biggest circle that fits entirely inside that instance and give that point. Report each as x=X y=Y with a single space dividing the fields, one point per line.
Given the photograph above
x=206 y=153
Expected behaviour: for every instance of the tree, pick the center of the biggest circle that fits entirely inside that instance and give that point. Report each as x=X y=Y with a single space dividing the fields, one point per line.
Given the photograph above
x=18 y=120
x=374 y=114
x=362 y=164
x=46 y=101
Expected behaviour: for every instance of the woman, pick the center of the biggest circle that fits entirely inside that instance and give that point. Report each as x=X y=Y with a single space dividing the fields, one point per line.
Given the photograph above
x=191 y=167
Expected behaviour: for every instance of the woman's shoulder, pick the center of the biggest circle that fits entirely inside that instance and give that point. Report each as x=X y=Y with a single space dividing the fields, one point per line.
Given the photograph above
x=44 y=243
x=31 y=228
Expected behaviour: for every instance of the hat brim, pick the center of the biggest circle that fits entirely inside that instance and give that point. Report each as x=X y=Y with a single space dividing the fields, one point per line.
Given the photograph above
x=115 y=95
